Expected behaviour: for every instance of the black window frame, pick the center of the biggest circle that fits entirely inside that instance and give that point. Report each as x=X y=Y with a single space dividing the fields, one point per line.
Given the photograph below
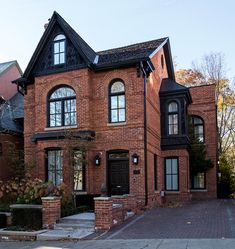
x=1 y=149
x=47 y=150
x=155 y=172
x=170 y=158
x=62 y=100
x=171 y=113
x=64 y=52
x=197 y=125
x=110 y=103
x=192 y=182
x=83 y=172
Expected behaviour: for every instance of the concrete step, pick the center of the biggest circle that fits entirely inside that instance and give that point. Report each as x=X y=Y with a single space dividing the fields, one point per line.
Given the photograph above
x=73 y=226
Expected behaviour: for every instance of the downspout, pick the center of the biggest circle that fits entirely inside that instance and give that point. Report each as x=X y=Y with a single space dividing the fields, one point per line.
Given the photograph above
x=145 y=134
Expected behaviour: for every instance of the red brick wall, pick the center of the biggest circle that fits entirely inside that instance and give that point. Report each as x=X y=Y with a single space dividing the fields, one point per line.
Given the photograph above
x=92 y=114
x=7 y=141
x=7 y=89
x=204 y=106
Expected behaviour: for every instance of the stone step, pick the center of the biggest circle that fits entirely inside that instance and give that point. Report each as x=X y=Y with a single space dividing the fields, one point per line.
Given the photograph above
x=76 y=221
x=72 y=226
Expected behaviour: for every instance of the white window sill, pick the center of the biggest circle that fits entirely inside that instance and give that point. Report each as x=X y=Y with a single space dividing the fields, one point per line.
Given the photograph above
x=116 y=124
x=197 y=190
x=60 y=128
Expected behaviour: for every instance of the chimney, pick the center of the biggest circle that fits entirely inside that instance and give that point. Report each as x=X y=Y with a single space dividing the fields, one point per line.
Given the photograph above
x=46 y=24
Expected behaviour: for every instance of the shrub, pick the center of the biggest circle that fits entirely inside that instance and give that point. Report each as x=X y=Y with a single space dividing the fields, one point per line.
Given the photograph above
x=26 y=191
x=27 y=218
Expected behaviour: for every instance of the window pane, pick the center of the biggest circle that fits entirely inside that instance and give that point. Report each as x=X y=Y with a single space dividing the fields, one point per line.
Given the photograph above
x=67 y=105
x=56 y=59
x=175 y=129
x=121 y=101
x=58 y=120
x=73 y=118
x=173 y=107
x=122 y=115
x=56 y=47
x=52 y=120
x=174 y=166
x=199 y=180
x=168 y=182
x=78 y=170
x=51 y=160
x=168 y=166
x=114 y=117
x=62 y=46
x=62 y=58
x=59 y=37
x=59 y=178
x=51 y=176
x=58 y=107
x=113 y=102
x=73 y=105
x=63 y=92
x=117 y=86
x=197 y=120
x=52 y=107
x=175 y=182
x=67 y=119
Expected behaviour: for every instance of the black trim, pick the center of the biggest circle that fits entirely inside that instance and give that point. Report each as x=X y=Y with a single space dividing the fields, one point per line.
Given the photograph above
x=195 y=125
x=56 y=135
x=173 y=113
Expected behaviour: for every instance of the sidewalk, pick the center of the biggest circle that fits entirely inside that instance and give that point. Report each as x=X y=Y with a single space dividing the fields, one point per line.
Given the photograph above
x=125 y=244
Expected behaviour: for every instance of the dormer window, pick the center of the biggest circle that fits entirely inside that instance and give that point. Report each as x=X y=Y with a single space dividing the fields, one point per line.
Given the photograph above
x=59 y=49
x=173 y=118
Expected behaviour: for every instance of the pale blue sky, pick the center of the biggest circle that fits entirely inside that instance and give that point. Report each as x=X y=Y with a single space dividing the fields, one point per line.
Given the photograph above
x=195 y=27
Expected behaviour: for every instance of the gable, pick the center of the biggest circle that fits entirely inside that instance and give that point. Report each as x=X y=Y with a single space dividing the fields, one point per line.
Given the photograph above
x=45 y=62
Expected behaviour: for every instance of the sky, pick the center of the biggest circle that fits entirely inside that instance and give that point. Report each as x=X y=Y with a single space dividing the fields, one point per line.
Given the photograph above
x=195 y=27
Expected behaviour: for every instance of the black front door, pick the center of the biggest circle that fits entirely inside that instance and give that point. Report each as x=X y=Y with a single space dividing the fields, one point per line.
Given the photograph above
x=118 y=177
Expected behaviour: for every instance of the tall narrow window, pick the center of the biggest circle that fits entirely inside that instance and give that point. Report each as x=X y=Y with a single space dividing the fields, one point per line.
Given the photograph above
x=171 y=174
x=1 y=151
x=54 y=166
x=62 y=107
x=198 y=129
x=79 y=171
x=173 y=118
x=155 y=172
x=59 y=49
x=117 y=112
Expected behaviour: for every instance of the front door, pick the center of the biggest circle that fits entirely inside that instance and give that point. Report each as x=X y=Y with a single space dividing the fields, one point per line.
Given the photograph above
x=118 y=175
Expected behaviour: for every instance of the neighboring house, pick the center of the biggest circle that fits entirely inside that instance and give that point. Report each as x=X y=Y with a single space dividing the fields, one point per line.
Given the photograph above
x=11 y=117
x=127 y=102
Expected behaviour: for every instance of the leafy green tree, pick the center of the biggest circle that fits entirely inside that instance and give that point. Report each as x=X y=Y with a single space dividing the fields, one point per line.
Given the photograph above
x=226 y=179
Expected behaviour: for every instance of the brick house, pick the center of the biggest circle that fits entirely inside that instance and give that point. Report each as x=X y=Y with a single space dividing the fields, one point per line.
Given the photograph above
x=11 y=116
x=124 y=101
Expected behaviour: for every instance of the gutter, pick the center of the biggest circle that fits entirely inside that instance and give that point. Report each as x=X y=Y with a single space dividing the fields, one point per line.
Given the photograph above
x=145 y=134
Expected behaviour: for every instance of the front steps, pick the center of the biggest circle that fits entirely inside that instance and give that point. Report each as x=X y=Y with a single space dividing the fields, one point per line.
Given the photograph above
x=75 y=226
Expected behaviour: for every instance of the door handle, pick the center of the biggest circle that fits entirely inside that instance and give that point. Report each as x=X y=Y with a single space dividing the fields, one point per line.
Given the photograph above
x=118 y=186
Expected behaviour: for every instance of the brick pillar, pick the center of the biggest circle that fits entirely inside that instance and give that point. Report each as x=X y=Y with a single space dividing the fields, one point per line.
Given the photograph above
x=103 y=213
x=51 y=211
x=131 y=203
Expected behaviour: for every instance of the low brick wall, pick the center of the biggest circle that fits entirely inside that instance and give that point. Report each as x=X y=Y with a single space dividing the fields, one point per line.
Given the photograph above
x=51 y=211
x=111 y=211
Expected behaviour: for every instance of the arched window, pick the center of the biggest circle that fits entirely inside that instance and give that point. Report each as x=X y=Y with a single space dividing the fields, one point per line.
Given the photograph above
x=62 y=107
x=173 y=118
x=59 y=49
x=117 y=103
x=198 y=129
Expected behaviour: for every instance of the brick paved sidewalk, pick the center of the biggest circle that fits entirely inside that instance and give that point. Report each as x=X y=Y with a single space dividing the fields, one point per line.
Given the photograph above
x=204 y=219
